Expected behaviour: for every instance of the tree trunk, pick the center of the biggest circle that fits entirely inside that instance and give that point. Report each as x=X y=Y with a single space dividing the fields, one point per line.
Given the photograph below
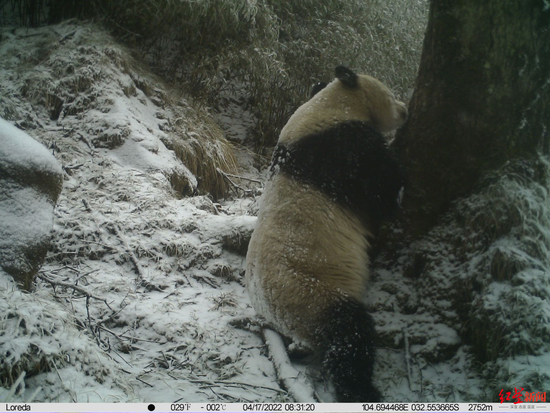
x=482 y=97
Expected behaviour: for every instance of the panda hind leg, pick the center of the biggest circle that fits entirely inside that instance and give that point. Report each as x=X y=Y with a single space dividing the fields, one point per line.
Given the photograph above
x=347 y=341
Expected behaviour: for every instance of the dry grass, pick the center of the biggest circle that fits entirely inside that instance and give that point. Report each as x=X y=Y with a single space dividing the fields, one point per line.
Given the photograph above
x=37 y=335
x=204 y=151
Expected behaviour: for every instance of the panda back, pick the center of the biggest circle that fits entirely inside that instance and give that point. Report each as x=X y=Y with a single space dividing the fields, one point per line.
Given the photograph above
x=351 y=163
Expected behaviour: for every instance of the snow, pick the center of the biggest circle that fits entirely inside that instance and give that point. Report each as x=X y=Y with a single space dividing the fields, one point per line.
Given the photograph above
x=489 y=259
x=26 y=218
x=298 y=385
x=162 y=269
x=26 y=208
x=161 y=277
x=19 y=149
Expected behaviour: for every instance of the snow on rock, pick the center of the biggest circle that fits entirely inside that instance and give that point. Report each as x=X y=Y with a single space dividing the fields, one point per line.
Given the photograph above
x=31 y=180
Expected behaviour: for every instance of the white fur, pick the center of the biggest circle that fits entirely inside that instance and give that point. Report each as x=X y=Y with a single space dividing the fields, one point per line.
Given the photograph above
x=305 y=252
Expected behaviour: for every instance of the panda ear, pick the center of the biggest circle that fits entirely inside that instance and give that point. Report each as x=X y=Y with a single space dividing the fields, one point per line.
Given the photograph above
x=316 y=88
x=346 y=76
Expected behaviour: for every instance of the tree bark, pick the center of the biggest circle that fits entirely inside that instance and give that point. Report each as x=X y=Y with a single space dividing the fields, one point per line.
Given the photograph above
x=482 y=97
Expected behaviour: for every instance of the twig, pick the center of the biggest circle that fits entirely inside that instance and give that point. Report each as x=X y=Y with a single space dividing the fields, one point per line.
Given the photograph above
x=225 y=383
x=74 y=287
x=95 y=330
x=217 y=396
x=65 y=267
x=227 y=176
x=133 y=260
x=84 y=275
x=254 y=386
x=63 y=382
x=128 y=32
x=412 y=386
x=123 y=359
x=103 y=344
x=62 y=40
x=86 y=205
x=242 y=177
x=70 y=168
x=83 y=139
x=407 y=356
x=89 y=316
x=298 y=386
x=34 y=393
x=121 y=336
x=104 y=320
x=211 y=281
x=144 y=382
x=25 y=36
x=15 y=385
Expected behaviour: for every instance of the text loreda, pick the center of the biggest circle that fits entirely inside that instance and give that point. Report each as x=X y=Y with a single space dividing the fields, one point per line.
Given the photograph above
x=18 y=407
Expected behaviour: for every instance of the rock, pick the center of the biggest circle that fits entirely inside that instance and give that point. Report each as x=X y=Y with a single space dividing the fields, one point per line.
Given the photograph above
x=30 y=183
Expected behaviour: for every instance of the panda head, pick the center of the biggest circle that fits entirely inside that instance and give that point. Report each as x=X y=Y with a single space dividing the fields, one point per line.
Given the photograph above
x=349 y=97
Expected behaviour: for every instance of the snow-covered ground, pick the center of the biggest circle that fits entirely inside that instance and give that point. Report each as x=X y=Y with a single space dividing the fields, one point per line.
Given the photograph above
x=159 y=276
x=162 y=279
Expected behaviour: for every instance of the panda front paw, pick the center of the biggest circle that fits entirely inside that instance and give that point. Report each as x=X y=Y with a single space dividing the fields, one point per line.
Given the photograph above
x=298 y=350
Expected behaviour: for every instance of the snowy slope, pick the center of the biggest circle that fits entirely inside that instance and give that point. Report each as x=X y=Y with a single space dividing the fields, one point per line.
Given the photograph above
x=139 y=289
x=161 y=281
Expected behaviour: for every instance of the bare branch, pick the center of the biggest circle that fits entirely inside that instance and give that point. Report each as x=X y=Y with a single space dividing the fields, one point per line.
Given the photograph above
x=74 y=287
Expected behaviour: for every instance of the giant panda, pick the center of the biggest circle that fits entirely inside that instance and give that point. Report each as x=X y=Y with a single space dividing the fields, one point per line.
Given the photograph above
x=332 y=182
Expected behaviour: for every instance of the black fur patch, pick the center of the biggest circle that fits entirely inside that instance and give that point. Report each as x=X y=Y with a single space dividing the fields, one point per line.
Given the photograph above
x=347 y=340
x=316 y=88
x=349 y=162
x=347 y=76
